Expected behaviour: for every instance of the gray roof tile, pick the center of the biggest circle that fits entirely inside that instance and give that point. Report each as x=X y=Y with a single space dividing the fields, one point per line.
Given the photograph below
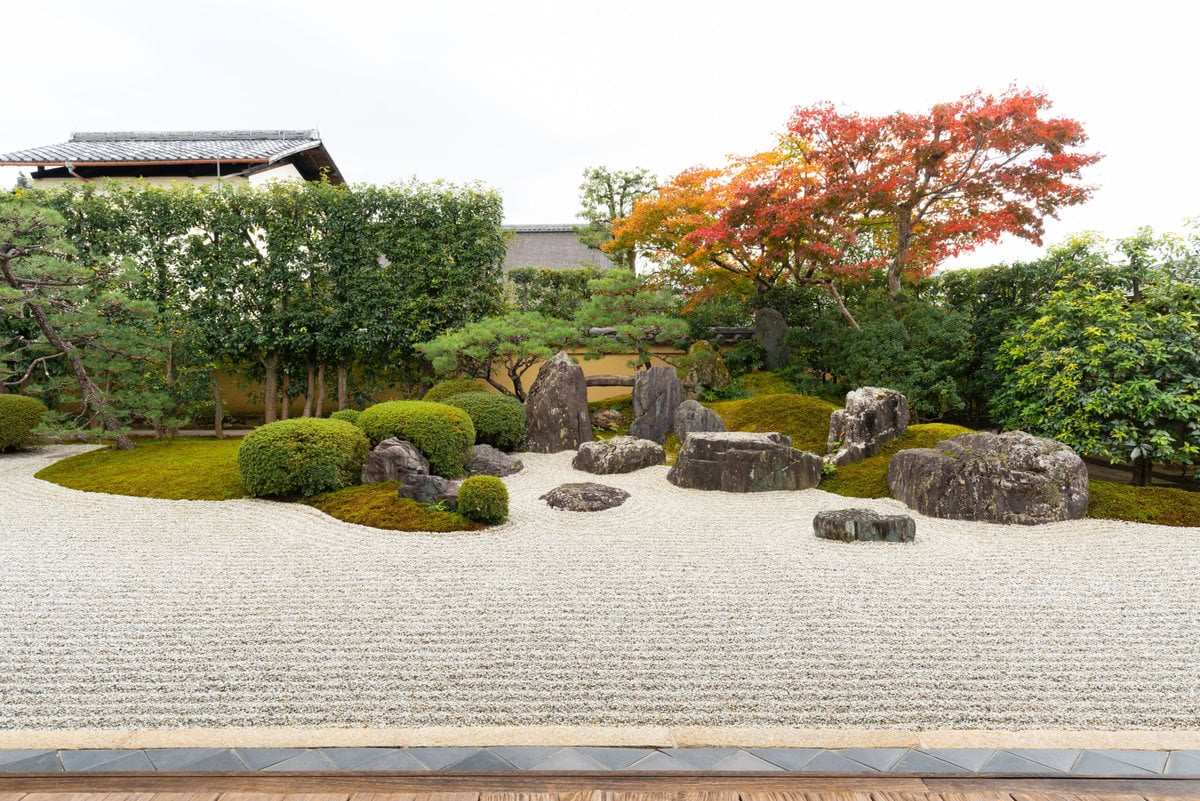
x=152 y=146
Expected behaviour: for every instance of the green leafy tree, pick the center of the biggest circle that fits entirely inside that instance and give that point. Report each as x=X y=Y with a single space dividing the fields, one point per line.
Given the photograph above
x=1111 y=373
x=607 y=195
x=510 y=344
x=550 y=293
x=633 y=314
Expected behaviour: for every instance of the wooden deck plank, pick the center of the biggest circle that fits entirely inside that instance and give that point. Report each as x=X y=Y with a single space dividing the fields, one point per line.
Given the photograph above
x=992 y=796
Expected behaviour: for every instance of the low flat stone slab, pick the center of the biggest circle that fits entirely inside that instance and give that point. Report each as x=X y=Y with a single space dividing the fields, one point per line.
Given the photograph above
x=618 y=455
x=585 y=497
x=863 y=525
x=739 y=461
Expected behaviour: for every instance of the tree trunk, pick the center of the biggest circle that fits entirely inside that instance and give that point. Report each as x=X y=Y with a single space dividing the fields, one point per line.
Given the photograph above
x=837 y=298
x=896 y=268
x=343 y=390
x=218 y=409
x=1142 y=467
x=270 y=389
x=171 y=431
x=285 y=409
x=310 y=391
x=320 y=410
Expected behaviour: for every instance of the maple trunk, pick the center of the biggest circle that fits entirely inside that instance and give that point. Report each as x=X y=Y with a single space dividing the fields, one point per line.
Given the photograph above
x=896 y=268
x=218 y=408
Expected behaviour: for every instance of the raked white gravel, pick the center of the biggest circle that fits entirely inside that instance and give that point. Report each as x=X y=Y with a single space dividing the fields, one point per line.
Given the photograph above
x=680 y=608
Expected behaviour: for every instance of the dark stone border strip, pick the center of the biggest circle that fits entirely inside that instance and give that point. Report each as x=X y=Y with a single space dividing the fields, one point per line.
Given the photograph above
x=859 y=761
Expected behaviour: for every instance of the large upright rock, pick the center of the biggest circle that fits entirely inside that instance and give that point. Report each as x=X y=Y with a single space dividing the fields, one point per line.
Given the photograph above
x=999 y=478
x=872 y=417
x=392 y=460
x=739 y=461
x=706 y=369
x=556 y=412
x=657 y=393
x=618 y=455
x=691 y=417
x=770 y=332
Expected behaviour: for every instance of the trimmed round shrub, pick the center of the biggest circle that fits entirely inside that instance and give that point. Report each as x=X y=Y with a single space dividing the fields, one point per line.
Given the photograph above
x=483 y=499
x=18 y=416
x=443 y=433
x=301 y=457
x=448 y=389
x=349 y=415
x=499 y=419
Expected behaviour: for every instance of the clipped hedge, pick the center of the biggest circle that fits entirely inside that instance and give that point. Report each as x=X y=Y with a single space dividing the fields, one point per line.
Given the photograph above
x=499 y=419
x=19 y=414
x=301 y=457
x=483 y=499
x=443 y=433
x=349 y=415
x=439 y=392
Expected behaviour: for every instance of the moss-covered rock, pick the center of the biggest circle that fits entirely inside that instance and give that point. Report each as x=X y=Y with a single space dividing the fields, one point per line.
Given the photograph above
x=805 y=419
x=19 y=414
x=445 y=434
x=301 y=457
x=378 y=506
x=499 y=420
x=483 y=499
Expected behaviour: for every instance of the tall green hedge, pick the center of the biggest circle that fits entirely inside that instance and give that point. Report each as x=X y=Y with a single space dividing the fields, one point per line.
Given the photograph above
x=499 y=420
x=445 y=434
x=301 y=457
x=18 y=416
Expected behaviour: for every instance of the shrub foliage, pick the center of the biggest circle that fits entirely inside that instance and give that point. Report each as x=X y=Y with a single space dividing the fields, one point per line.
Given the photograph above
x=301 y=457
x=18 y=416
x=499 y=420
x=348 y=415
x=483 y=499
x=448 y=389
x=443 y=433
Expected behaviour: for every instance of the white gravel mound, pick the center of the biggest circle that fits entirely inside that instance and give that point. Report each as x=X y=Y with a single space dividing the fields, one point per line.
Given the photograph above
x=681 y=608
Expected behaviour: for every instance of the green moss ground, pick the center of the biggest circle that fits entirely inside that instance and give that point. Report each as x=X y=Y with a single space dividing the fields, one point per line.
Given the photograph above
x=184 y=469
x=378 y=506
x=764 y=382
x=868 y=478
x=804 y=419
x=1162 y=505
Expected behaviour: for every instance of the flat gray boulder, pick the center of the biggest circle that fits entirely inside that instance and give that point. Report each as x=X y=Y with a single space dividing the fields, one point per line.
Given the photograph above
x=997 y=478
x=431 y=489
x=873 y=416
x=489 y=461
x=657 y=393
x=691 y=416
x=864 y=525
x=739 y=461
x=585 y=497
x=618 y=455
x=556 y=411
x=392 y=460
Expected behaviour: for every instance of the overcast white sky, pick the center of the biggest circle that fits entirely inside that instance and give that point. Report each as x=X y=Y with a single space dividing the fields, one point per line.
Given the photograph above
x=522 y=95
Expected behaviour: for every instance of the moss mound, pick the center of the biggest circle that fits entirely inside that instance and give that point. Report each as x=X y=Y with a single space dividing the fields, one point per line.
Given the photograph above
x=348 y=415
x=301 y=457
x=442 y=390
x=184 y=469
x=621 y=403
x=443 y=433
x=1161 y=505
x=483 y=499
x=868 y=478
x=803 y=418
x=499 y=420
x=765 y=382
x=378 y=506
x=19 y=414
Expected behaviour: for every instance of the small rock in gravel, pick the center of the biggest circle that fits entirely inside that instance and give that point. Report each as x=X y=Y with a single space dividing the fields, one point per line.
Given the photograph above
x=585 y=497
x=489 y=461
x=864 y=525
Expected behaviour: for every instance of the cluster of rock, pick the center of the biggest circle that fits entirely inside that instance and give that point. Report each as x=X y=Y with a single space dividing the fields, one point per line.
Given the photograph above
x=871 y=417
x=739 y=461
x=998 y=478
x=399 y=460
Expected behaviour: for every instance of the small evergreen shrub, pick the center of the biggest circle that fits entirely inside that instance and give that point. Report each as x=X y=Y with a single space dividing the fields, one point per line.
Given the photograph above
x=483 y=499
x=439 y=392
x=349 y=415
x=19 y=414
x=499 y=419
x=301 y=457
x=443 y=433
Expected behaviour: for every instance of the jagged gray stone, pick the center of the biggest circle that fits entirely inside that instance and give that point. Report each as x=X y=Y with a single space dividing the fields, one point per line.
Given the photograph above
x=431 y=489
x=489 y=461
x=556 y=412
x=657 y=393
x=392 y=460
x=691 y=417
x=585 y=497
x=873 y=416
x=618 y=455
x=740 y=461
x=863 y=525
x=998 y=478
